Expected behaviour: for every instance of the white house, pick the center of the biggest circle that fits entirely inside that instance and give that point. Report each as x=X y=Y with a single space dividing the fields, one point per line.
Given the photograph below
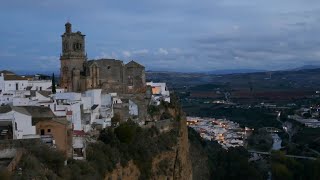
x=42 y=85
x=14 y=83
x=106 y=100
x=160 y=93
x=9 y=81
x=95 y=95
x=78 y=145
x=68 y=105
x=159 y=88
x=16 y=123
x=133 y=108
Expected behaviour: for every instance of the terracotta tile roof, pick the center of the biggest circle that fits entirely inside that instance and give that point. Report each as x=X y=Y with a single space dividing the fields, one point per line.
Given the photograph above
x=13 y=77
x=39 y=112
x=6 y=72
x=79 y=133
x=8 y=108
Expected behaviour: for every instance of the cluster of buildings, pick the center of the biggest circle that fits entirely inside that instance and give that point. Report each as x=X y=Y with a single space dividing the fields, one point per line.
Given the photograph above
x=308 y=122
x=89 y=95
x=308 y=116
x=65 y=119
x=226 y=133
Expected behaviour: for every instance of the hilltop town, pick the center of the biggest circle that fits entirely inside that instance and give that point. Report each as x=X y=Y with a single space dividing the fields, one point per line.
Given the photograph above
x=69 y=114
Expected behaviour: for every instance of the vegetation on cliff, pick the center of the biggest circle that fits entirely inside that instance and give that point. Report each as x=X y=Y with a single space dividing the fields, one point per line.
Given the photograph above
x=126 y=144
x=120 y=145
x=285 y=168
x=132 y=142
x=218 y=163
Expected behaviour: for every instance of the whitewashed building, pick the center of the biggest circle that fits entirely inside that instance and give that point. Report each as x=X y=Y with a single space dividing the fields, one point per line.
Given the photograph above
x=160 y=93
x=133 y=108
x=16 y=123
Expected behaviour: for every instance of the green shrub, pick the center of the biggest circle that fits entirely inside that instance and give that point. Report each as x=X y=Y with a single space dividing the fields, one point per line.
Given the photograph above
x=153 y=110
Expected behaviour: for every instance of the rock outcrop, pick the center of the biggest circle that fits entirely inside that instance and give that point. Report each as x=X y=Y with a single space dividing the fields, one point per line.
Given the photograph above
x=131 y=171
x=174 y=164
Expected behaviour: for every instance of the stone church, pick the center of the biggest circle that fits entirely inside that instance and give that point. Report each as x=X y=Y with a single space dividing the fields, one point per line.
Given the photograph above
x=79 y=74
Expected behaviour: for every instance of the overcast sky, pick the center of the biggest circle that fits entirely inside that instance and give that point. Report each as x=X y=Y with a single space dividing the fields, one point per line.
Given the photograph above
x=175 y=35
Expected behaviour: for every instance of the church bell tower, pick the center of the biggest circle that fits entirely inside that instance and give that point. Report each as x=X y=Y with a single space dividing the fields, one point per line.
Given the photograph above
x=72 y=59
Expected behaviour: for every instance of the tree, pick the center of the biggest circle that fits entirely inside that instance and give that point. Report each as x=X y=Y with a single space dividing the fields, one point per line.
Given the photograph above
x=53 y=84
x=126 y=132
x=115 y=120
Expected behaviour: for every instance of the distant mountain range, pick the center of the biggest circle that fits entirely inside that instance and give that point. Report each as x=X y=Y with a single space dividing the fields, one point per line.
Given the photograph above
x=305 y=67
x=234 y=71
x=243 y=71
x=217 y=72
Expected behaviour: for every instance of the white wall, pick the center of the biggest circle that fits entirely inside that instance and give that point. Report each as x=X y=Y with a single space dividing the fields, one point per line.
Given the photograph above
x=86 y=102
x=106 y=100
x=40 y=85
x=133 y=108
x=11 y=85
x=24 y=125
x=71 y=96
x=95 y=95
x=76 y=116
x=116 y=100
x=2 y=83
x=59 y=90
x=6 y=98
x=78 y=142
x=163 y=88
x=21 y=101
x=42 y=98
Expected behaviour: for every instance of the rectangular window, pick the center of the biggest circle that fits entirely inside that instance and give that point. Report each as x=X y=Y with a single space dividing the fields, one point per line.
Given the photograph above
x=49 y=130
x=42 y=132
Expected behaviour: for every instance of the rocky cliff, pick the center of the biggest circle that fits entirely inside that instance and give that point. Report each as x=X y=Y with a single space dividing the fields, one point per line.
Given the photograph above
x=173 y=164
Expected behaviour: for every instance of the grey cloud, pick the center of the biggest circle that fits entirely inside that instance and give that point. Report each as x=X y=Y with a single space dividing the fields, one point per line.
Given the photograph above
x=181 y=34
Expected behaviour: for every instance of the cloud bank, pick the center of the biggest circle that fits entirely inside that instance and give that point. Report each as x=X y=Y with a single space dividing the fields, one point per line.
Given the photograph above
x=179 y=35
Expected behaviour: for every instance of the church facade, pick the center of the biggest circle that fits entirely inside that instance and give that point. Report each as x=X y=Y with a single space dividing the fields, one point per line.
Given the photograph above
x=79 y=74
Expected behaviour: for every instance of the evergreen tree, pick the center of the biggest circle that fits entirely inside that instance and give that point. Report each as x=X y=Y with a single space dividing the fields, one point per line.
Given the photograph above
x=53 y=84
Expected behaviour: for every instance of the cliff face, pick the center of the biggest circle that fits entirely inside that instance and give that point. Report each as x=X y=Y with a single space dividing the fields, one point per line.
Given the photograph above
x=125 y=173
x=174 y=164
x=182 y=167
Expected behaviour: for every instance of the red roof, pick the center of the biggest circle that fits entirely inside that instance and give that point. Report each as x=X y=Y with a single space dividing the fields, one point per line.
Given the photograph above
x=79 y=133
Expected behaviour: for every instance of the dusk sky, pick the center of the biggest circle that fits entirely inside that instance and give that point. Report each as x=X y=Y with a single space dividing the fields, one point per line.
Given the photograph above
x=173 y=35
